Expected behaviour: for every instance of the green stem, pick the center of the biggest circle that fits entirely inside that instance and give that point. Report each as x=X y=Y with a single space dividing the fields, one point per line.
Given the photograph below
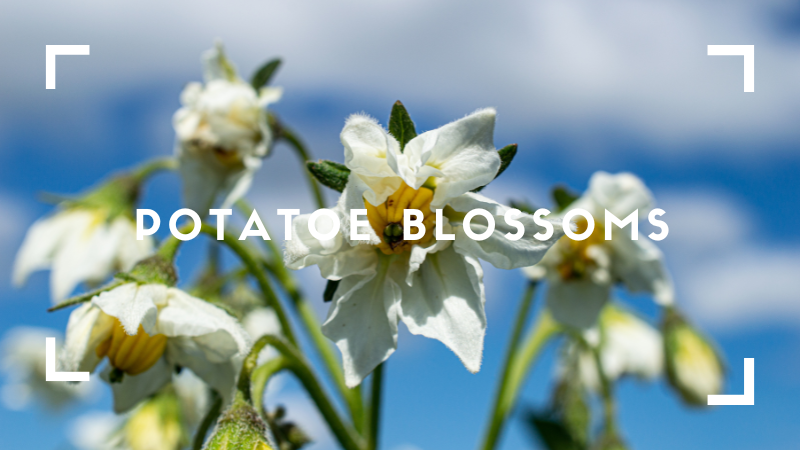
x=344 y=433
x=261 y=278
x=309 y=319
x=373 y=427
x=292 y=139
x=517 y=371
x=496 y=420
x=208 y=420
x=155 y=165
x=261 y=377
x=606 y=392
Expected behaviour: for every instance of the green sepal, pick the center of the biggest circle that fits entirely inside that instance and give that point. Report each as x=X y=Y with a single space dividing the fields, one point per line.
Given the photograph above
x=507 y=155
x=552 y=433
x=85 y=297
x=401 y=126
x=330 y=289
x=265 y=73
x=563 y=197
x=329 y=173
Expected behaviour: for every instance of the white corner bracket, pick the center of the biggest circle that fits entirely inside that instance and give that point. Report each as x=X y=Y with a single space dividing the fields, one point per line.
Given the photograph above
x=749 y=53
x=749 y=396
x=50 y=365
x=50 y=60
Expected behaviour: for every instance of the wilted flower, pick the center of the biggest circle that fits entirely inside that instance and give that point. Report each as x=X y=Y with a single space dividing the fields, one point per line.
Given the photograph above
x=694 y=368
x=23 y=361
x=146 y=332
x=434 y=286
x=582 y=273
x=88 y=240
x=222 y=133
x=628 y=346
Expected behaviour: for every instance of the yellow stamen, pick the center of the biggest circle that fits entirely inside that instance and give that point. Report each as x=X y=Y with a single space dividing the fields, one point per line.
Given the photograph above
x=386 y=219
x=132 y=354
x=576 y=261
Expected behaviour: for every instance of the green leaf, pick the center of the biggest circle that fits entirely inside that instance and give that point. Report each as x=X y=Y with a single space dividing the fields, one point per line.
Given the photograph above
x=563 y=197
x=400 y=125
x=552 y=433
x=330 y=289
x=329 y=173
x=506 y=154
x=263 y=75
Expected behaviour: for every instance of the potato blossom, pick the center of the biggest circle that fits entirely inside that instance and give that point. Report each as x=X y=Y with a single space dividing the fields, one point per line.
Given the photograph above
x=434 y=286
x=221 y=133
x=581 y=274
x=146 y=332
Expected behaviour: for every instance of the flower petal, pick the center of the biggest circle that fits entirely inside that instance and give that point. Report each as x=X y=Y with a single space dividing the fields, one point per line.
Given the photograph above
x=41 y=242
x=86 y=329
x=577 y=303
x=498 y=250
x=620 y=194
x=640 y=265
x=368 y=147
x=135 y=388
x=133 y=305
x=336 y=259
x=363 y=323
x=186 y=316
x=446 y=303
x=461 y=154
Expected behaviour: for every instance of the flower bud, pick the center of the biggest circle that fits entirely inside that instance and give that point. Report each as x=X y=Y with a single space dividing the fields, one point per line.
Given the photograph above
x=239 y=428
x=157 y=424
x=694 y=368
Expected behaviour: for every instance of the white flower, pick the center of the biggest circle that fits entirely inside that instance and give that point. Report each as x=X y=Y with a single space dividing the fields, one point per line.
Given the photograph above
x=434 y=287
x=23 y=361
x=582 y=273
x=79 y=245
x=259 y=322
x=146 y=332
x=628 y=346
x=222 y=133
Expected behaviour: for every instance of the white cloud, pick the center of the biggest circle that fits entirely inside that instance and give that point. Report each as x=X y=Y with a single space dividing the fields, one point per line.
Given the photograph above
x=725 y=275
x=583 y=68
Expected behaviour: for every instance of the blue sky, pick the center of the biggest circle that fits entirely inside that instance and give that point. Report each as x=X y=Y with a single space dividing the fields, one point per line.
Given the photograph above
x=581 y=86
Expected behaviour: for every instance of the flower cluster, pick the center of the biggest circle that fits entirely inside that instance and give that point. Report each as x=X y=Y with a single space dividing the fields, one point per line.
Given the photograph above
x=189 y=363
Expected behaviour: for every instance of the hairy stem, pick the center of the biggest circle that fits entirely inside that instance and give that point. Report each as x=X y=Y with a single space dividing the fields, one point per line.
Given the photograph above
x=256 y=271
x=516 y=371
x=208 y=420
x=344 y=432
x=286 y=134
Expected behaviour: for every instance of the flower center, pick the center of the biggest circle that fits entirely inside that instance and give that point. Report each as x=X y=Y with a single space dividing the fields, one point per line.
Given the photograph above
x=387 y=218
x=576 y=260
x=132 y=354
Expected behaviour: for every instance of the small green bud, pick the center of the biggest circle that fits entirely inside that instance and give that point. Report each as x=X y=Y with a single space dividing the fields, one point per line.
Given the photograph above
x=153 y=270
x=287 y=434
x=239 y=428
x=694 y=368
